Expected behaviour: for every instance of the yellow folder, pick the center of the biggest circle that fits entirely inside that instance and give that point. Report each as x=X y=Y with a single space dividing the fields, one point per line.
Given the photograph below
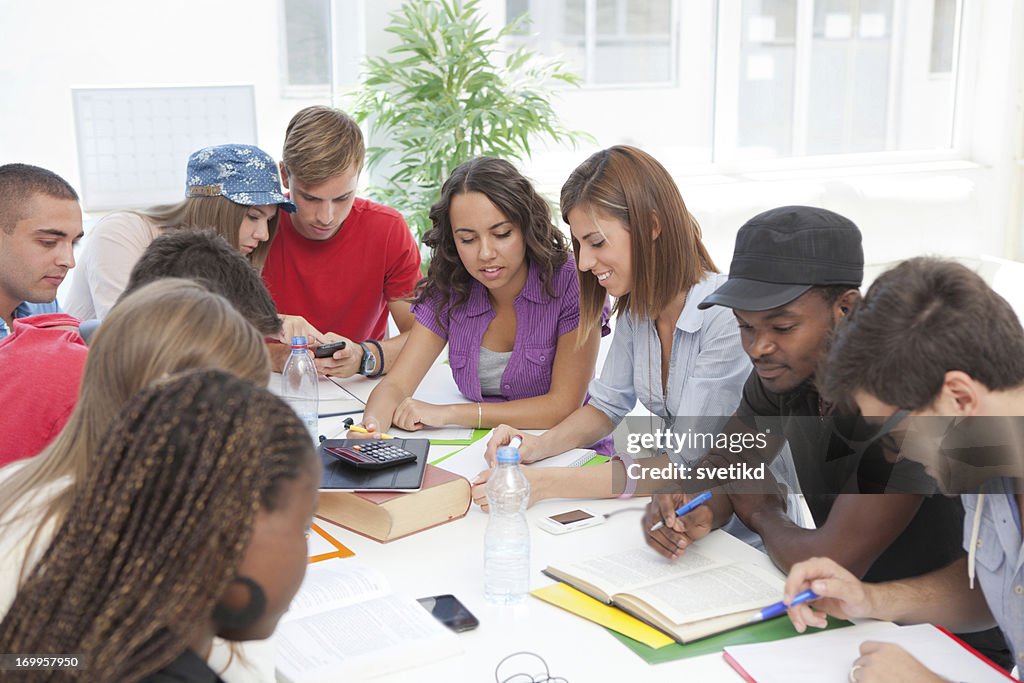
x=568 y=598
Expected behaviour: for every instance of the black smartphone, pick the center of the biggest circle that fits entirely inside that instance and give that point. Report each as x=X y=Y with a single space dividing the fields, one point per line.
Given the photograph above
x=449 y=611
x=327 y=350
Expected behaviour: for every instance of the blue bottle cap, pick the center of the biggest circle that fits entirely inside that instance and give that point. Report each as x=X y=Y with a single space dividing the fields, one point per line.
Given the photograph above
x=508 y=454
x=298 y=342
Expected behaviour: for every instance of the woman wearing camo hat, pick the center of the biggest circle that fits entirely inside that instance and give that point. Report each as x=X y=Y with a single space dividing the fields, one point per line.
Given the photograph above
x=233 y=189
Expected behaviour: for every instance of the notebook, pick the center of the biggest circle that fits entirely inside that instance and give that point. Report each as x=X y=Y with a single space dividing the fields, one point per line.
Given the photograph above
x=337 y=476
x=828 y=656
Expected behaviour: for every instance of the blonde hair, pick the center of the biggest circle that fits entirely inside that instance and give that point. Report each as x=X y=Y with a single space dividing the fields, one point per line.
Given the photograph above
x=321 y=143
x=163 y=328
x=630 y=185
x=219 y=214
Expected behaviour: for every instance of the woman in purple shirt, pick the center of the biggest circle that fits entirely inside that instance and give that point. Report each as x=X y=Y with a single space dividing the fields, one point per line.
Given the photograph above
x=502 y=292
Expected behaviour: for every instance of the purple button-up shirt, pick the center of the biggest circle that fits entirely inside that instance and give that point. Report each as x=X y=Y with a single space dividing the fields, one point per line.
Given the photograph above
x=540 y=321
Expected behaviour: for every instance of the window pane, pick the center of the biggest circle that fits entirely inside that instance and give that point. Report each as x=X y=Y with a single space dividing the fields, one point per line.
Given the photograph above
x=632 y=42
x=848 y=90
x=632 y=61
x=650 y=18
x=608 y=16
x=943 y=36
x=308 y=41
x=575 y=18
x=766 y=79
x=513 y=10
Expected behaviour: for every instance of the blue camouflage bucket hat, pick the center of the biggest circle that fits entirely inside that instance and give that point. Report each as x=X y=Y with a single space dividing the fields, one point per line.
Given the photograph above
x=242 y=173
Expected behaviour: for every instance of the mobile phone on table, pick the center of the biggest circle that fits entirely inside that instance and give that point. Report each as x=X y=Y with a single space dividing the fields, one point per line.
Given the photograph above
x=327 y=350
x=449 y=611
x=573 y=520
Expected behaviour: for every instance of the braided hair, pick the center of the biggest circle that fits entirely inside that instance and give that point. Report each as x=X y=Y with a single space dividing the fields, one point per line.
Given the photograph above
x=157 y=529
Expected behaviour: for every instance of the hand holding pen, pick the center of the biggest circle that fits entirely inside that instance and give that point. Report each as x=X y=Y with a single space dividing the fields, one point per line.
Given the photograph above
x=686 y=508
x=670 y=537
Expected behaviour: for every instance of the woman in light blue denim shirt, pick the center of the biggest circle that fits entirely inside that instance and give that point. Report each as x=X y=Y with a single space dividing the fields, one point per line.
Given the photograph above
x=502 y=292
x=635 y=240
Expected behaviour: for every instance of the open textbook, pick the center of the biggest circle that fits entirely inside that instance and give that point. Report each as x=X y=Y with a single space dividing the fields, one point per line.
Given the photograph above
x=345 y=623
x=704 y=592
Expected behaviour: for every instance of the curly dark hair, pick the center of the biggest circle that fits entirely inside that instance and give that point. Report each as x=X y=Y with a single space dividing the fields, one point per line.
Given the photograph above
x=546 y=246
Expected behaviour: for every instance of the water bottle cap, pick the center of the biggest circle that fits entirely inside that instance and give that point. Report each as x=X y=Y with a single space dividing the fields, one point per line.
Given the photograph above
x=298 y=342
x=508 y=454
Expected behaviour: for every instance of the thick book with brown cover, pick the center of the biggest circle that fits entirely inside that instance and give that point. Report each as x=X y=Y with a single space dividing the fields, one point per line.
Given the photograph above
x=386 y=516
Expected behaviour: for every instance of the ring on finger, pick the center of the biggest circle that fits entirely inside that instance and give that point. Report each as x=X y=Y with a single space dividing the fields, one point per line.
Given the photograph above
x=852 y=677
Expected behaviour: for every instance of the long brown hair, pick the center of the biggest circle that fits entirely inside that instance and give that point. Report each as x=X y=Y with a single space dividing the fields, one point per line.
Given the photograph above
x=165 y=327
x=630 y=185
x=512 y=194
x=158 y=527
x=219 y=214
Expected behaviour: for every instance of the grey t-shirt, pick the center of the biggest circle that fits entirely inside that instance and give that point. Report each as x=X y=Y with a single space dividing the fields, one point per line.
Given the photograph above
x=492 y=367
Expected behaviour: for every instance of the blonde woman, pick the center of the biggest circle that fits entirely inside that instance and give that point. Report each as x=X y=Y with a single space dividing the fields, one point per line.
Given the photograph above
x=233 y=189
x=163 y=328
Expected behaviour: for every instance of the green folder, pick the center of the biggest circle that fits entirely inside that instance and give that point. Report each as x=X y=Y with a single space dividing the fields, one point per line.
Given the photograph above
x=477 y=435
x=779 y=628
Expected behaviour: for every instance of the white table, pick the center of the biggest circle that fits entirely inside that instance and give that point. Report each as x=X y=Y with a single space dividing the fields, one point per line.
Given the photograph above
x=449 y=559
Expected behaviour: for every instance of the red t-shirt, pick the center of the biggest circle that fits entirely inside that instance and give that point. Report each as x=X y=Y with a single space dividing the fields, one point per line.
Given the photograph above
x=344 y=284
x=42 y=368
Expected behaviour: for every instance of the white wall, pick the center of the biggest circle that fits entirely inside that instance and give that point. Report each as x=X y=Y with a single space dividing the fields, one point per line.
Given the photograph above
x=968 y=208
x=49 y=48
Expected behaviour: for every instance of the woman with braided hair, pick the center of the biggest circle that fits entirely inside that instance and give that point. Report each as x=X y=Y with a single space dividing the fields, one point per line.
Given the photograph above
x=163 y=328
x=189 y=522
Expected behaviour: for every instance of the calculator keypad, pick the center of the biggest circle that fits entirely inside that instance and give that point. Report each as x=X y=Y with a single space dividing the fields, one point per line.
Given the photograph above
x=372 y=454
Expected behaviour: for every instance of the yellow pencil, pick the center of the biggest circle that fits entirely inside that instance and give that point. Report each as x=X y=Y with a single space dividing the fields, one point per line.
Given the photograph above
x=363 y=430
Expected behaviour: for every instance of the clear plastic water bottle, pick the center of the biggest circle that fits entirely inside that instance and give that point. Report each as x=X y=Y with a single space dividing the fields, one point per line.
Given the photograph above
x=299 y=386
x=507 y=539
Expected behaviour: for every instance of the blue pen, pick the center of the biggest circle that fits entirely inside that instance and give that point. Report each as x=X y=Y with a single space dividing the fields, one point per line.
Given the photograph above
x=688 y=507
x=772 y=611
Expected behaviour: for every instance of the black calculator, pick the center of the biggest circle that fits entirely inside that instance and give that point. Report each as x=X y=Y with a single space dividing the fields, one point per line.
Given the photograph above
x=371 y=454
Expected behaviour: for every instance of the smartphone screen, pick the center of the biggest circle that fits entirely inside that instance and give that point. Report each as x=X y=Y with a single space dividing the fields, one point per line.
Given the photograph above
x=449 y=611
x=571 y=516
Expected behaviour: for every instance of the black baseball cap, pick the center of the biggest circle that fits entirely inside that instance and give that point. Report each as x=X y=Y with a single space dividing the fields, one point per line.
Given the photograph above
x=782 y=253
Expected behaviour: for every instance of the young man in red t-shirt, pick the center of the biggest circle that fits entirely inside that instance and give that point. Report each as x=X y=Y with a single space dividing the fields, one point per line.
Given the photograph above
x=340 y=262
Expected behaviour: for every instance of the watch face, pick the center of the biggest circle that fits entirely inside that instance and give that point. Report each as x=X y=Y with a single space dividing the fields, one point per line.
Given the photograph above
x=369 y=362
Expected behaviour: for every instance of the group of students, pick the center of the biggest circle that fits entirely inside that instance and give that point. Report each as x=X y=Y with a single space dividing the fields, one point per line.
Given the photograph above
x=133 y=436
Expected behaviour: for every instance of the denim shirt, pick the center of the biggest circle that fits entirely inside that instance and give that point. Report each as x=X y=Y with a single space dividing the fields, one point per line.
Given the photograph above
x=540 y=321
x=999 y=558
x=707 y=367
x=26 y=309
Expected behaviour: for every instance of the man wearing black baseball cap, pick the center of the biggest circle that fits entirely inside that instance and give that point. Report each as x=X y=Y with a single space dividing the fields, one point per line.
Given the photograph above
x=795 y=273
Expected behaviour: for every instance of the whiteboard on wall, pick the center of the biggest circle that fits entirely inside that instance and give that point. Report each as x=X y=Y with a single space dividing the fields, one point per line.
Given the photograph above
x=134 y=143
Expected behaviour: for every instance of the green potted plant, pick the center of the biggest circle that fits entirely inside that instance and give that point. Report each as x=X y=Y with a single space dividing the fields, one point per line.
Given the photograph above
x=447 y=93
